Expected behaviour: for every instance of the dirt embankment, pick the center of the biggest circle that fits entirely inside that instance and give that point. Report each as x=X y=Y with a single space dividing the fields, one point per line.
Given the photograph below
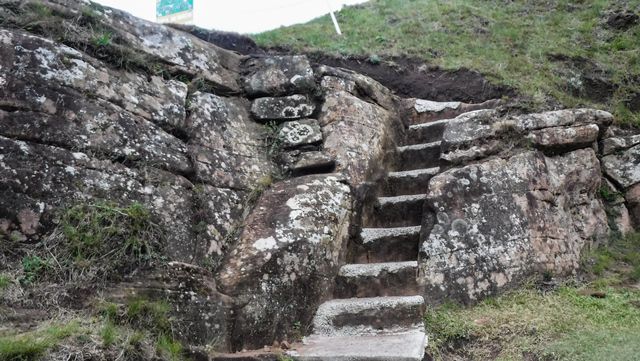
x=406 y=76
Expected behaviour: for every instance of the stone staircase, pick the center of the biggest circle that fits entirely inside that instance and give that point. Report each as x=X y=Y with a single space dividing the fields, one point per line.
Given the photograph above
x=378 y=310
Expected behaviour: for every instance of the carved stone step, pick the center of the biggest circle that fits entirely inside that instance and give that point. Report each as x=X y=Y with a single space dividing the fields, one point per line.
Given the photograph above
x=409 y=182
x=426 y=132
x=398 y=211
x=368 y=316
x=405 y=346
x=386 y=245
x=418 y=156
x=377 y=279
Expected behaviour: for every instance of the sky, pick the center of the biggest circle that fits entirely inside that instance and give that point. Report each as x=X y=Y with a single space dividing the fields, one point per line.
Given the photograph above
x=242 y=16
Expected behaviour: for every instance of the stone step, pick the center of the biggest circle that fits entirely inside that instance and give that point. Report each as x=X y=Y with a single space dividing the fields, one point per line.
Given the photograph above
x=386 y=245
x=377 y=279
x=368 y=316
x=409 y=182
x=426 y=132
x=418 y=156
x=405 y=346
x=398 y=211
x=429 y=111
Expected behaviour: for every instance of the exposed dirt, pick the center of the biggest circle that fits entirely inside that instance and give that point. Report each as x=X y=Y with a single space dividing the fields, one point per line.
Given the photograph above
x=226 y=40
x=622 y=19
x=412 y=78
x=406 y=76
x=584 y=78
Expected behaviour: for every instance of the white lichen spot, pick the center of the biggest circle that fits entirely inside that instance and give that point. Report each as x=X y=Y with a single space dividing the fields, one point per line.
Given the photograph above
x=71 y=170
x=264 y=244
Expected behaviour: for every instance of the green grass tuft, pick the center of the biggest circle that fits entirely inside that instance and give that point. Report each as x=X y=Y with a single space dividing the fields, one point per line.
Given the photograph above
x=33 y=345
x=5 y=281
x=169 y=348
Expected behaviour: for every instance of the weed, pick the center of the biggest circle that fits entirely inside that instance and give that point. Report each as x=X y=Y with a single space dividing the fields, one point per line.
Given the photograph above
x=24 y=348
x=169 y=348
x=5 y=281
x=285 y=358
x=34 y=268
x=103 y=39
x=149 y=315
x=446 y=326
x=102 y=239
x=608 y=194
x=108 y=334
x=272 y=141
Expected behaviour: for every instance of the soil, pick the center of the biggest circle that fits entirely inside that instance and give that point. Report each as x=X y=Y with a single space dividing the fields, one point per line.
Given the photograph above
x=226 y=40
x=584 y=78
x=412 y=78
x=406 y=76
x=622 y=19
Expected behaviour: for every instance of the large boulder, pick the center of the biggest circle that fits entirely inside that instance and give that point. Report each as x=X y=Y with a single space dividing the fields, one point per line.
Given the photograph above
x=501 y=220
x=357 y=134
x=283 y=263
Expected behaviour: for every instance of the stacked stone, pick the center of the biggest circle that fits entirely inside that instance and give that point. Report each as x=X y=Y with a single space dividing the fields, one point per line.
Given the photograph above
x=283 y=88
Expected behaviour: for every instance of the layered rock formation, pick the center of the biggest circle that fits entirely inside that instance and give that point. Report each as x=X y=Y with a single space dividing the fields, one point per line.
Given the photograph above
x=262 y=171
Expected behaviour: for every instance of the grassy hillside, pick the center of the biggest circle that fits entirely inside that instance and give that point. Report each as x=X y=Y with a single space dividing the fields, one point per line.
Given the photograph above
x=573 y=52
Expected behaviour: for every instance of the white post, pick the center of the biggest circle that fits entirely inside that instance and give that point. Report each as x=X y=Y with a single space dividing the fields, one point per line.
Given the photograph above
x=333 y=18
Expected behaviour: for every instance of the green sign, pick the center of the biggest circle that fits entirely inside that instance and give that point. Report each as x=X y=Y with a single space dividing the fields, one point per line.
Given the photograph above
x=170 y=7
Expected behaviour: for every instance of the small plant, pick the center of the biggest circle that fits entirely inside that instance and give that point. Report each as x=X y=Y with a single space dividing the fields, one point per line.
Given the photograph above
x=148 y=315
x=102 y=39
x=374 y=59
x=5 y=281
x=33 y=268
x=608 y=194
x=108 y=334
x=170 y=348
x=271 y=138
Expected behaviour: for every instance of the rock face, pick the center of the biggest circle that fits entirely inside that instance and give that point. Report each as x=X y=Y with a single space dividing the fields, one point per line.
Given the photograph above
x=499 y=220
x=514 y=211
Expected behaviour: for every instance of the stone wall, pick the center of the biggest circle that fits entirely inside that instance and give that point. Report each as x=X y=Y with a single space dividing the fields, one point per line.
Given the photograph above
x=521 y=196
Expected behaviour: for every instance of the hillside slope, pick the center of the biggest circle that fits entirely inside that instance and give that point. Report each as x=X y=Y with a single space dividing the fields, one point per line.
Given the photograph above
x=557 y=53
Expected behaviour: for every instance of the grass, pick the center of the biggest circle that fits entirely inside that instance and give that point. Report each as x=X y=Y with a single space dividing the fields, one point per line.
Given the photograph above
x=617 y=262
x=5 y=281
x=566 y=324
x=513 y=43
x=561 y=325
x=139 y=329
x=93 y=242
x=33 y=345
